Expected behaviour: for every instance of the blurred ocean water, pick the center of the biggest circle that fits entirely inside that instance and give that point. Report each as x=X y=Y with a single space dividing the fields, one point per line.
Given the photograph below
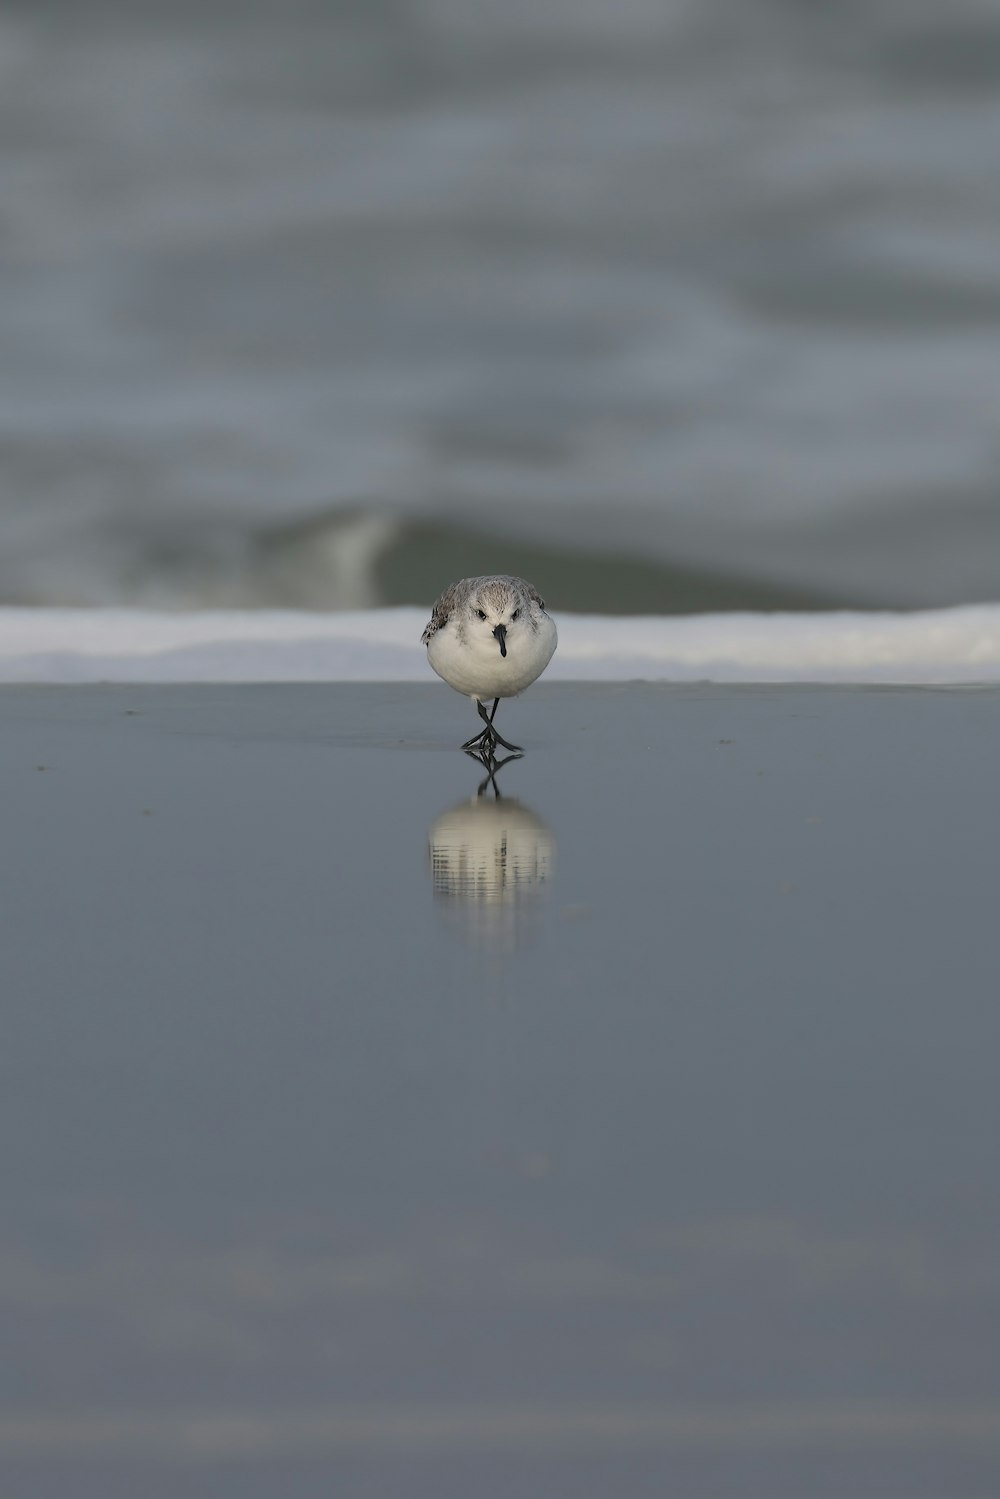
x=673 y=305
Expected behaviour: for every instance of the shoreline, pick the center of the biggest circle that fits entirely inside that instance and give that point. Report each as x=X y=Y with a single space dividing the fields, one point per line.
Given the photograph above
x=943 y=646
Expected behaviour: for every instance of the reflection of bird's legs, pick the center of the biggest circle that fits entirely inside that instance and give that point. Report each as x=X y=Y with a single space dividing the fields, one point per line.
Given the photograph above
x=492 y=767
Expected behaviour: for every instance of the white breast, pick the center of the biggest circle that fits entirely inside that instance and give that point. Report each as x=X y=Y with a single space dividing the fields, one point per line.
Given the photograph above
x=473 y=664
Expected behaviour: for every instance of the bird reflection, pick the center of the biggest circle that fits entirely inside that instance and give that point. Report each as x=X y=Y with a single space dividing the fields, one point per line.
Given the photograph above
x=492 y=859
x=488 y=760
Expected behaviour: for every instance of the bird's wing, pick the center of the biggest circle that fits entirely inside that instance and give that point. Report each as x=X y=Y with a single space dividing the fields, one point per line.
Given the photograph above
x=440 y=614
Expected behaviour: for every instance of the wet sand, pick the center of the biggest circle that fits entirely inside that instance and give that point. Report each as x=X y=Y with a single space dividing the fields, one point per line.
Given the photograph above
x=634 y=1133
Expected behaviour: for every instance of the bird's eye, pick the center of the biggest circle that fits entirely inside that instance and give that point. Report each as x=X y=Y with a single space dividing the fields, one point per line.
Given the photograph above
x=481 y=613
x=514 y=615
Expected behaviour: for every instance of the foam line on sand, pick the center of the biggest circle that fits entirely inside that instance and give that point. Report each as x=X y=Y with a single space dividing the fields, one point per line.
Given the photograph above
x=383 y=645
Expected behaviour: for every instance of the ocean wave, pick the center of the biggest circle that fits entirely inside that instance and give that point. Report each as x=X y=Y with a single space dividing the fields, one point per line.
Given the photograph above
x=704 y=287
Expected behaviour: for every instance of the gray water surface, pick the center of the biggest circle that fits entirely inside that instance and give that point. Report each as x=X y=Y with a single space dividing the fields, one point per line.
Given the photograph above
x=634 y=1133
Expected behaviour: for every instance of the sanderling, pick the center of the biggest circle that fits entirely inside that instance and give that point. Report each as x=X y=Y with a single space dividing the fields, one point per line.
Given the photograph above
x=489 y=638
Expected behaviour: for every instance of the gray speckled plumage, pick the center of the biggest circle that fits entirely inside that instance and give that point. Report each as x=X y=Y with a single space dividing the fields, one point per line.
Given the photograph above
x=497 y=588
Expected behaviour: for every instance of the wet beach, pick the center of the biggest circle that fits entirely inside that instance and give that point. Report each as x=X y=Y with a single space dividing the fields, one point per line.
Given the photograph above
x=634 y=1132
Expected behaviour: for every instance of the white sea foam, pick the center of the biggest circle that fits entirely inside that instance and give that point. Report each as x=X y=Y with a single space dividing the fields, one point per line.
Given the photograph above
x=383 y=645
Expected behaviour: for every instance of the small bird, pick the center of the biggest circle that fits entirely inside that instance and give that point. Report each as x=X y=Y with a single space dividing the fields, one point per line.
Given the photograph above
x=490 y=638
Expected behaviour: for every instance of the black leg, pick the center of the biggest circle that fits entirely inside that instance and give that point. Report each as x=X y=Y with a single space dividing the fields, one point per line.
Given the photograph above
x=498 y=738
x=488 y=739
x=484 y=734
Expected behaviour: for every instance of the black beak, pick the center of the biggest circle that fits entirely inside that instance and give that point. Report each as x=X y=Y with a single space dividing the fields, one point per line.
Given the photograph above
x=501 y=634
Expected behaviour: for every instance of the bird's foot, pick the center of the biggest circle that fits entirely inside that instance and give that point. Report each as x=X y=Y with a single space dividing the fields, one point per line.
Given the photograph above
x=515 y=749
x=487 y=741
